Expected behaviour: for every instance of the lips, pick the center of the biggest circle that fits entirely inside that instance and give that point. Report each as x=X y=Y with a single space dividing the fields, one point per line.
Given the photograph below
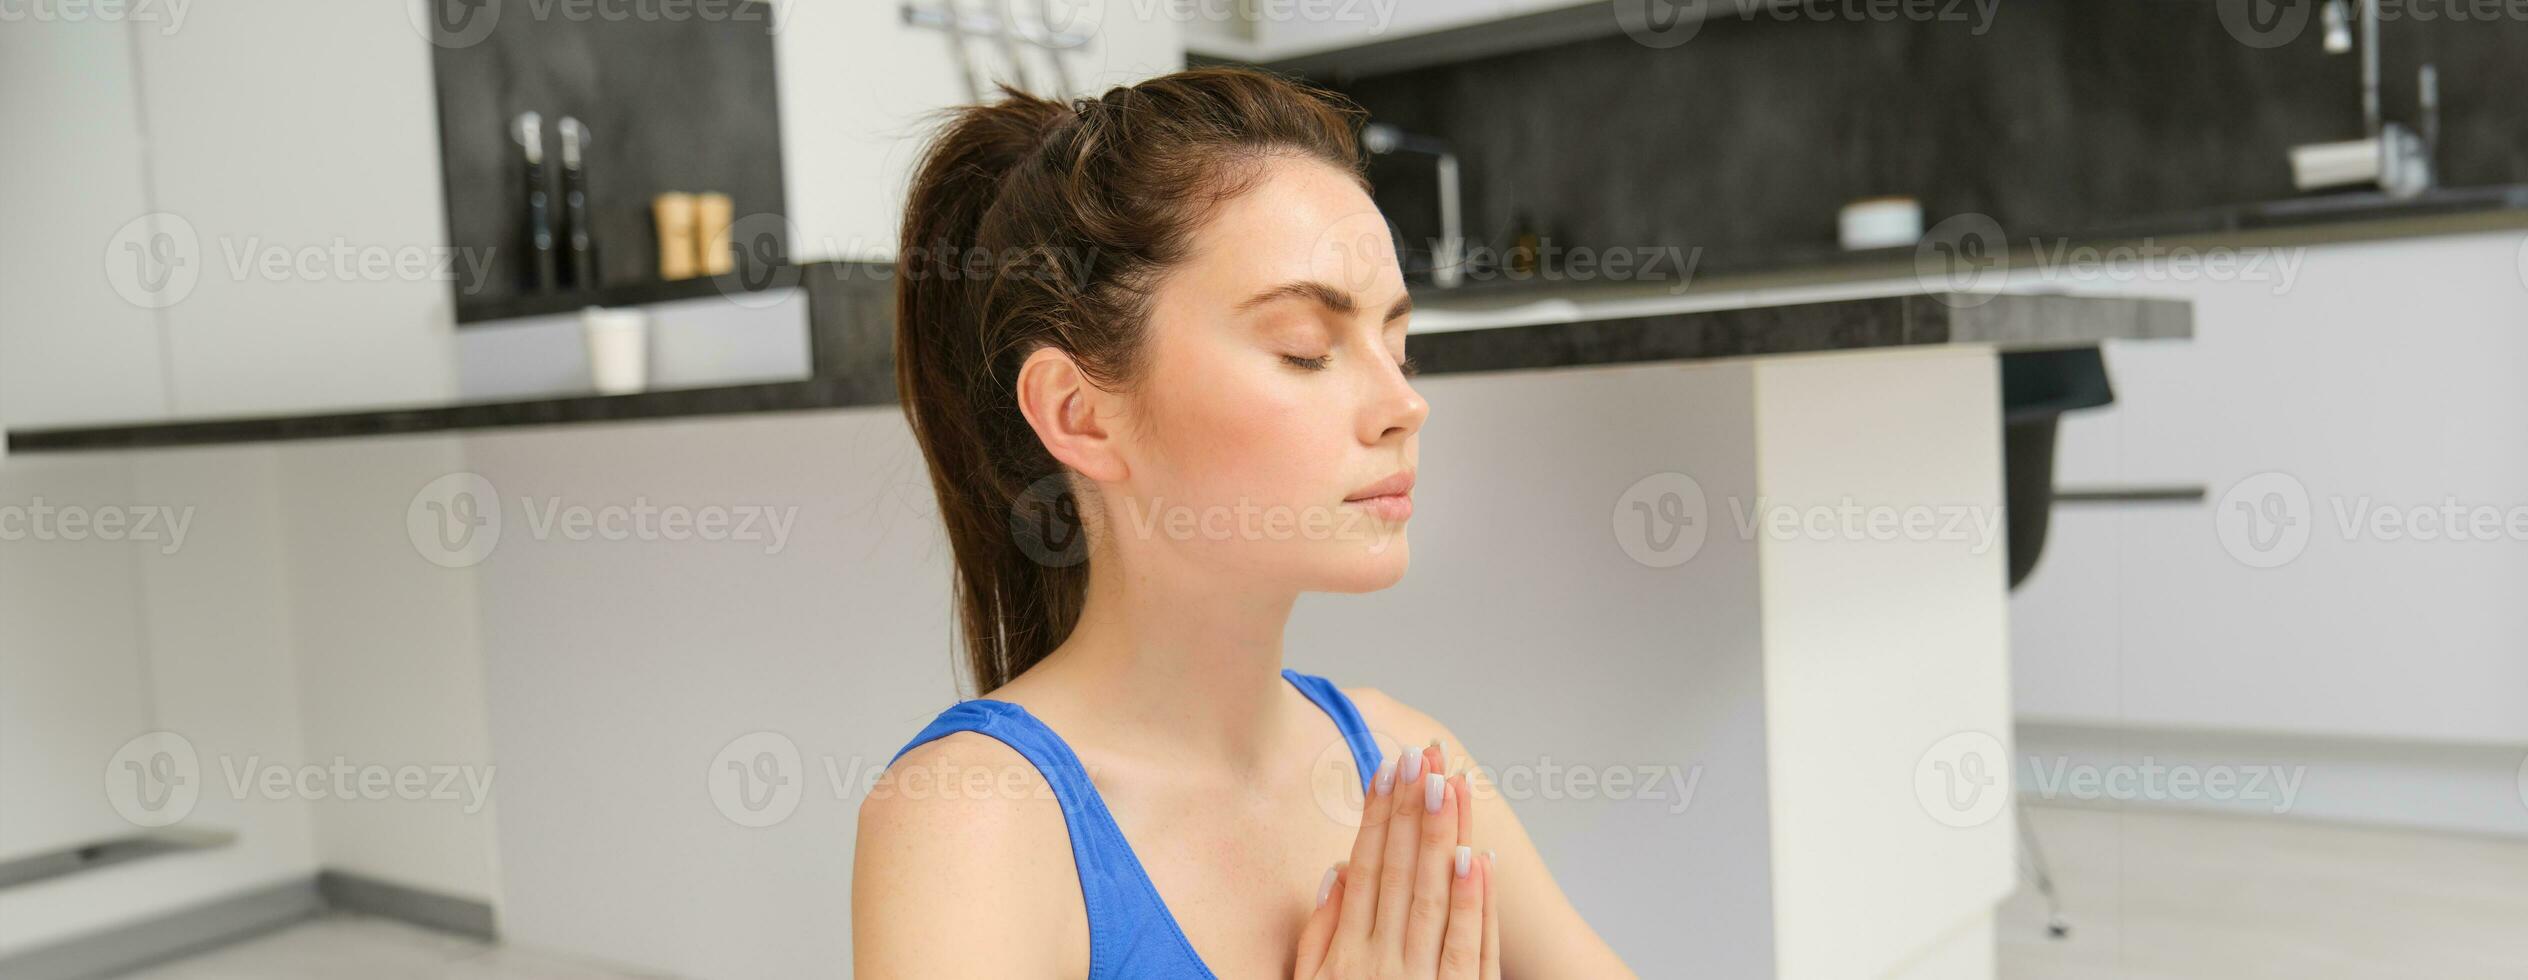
x=1388 y=500
x=1398 y=484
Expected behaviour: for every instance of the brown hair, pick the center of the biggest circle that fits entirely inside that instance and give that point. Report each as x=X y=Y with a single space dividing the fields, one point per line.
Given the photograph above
x=1037 y=223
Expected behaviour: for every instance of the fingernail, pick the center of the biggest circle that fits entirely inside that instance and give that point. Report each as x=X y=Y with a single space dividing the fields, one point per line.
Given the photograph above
x=1465 y=859
x=1433 y=787
x=1326 y=887
x=1411 y=765
x=1489 y=859
x=1386 y=778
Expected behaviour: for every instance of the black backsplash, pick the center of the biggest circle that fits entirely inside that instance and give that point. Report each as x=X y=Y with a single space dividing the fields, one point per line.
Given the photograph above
x=2051 y=116
x=686 y=104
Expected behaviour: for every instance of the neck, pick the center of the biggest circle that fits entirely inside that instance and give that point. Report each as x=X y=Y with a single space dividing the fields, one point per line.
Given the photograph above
x=1171 y=663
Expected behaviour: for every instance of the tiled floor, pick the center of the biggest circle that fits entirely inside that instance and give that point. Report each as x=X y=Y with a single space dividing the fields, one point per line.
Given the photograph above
x=351 y=947
x=2151 y=895
x=2160 y=895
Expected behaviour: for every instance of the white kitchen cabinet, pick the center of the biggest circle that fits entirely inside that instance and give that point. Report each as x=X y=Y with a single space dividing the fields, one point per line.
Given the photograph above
x=72 y=348
x=1321 y=30
x=859 y=86
x=2370 y=375
x=229 y=210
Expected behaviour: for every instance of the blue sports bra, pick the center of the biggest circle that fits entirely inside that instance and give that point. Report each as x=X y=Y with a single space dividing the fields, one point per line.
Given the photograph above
x=1130 y=932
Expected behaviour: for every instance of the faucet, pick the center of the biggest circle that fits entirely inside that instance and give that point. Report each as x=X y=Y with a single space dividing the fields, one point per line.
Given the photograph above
x=1447 y=260
x=2391 y=155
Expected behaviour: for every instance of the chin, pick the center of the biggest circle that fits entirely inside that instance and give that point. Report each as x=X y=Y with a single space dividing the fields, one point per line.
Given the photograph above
x=1360 y=569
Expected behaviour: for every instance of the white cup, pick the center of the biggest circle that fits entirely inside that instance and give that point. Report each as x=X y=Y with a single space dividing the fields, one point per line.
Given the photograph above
x=1880 y=222
x=618 y=349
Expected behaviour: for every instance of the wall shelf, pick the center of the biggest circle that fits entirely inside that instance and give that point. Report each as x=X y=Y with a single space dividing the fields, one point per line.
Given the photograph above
x=482 y=310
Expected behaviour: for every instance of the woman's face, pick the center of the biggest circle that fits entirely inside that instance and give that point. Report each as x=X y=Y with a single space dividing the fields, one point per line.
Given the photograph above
x=1276 y=394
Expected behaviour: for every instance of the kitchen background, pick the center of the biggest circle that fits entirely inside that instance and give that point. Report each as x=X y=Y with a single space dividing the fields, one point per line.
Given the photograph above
x=272 y=302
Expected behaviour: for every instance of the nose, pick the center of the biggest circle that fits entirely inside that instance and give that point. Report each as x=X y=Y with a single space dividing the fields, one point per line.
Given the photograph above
x=1393 y=410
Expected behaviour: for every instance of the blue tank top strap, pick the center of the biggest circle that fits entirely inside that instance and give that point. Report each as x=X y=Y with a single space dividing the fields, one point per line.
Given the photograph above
x=1131 y=933
x=1347 y=719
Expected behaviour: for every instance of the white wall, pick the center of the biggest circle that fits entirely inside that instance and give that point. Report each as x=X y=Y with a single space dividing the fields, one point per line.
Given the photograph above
x=74 y=662
x=210 y=622
x=389 y=665
x=292 y=623
x=619 y=670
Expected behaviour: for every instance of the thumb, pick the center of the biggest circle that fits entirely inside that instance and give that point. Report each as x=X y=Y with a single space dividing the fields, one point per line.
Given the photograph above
x=1318 y=936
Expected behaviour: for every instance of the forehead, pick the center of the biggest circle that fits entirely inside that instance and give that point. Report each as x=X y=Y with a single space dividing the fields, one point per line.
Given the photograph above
x=1298 y=219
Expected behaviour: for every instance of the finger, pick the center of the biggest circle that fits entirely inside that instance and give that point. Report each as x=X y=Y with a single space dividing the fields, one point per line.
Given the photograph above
x=1465 y=779
x=1433 y=871
x=1401 y=854
x=1318 y=934
x=1461 y=954
x=1491 y=922
x=1369 y=848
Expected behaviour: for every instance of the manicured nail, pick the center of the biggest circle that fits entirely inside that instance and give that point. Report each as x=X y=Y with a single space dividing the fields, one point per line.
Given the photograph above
x=1489 y=859
x=1433 y=788
x=1386 y=778
x=1465 y=859
x=1411 y=766
x=1326 y=887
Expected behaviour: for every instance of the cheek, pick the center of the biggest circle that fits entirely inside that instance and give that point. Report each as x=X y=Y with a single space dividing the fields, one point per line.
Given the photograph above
x=1242 y=432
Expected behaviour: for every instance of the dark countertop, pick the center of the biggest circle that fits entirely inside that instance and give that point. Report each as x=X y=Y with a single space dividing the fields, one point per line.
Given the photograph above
x=856 y=367
x=2307 y=220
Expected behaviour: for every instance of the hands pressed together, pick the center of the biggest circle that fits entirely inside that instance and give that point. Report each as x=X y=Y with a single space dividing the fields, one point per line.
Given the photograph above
x=1415 y=899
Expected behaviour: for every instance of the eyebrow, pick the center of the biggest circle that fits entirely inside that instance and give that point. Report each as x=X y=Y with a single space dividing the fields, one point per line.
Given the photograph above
x=1323 y=295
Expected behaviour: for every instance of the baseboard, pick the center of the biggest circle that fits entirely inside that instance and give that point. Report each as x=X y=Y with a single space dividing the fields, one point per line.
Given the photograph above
x=447 y=913
x=2449 y=788
x=243 y=916
x=213 y=924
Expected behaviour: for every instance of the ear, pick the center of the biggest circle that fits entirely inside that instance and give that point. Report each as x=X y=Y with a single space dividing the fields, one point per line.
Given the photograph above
x=1070 y=415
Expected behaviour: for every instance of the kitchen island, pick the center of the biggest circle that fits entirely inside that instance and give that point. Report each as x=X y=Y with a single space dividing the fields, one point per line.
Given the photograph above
x=1716 y=596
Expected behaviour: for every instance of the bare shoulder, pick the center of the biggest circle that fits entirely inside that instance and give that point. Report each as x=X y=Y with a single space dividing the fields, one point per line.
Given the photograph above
x=959 y=830
x=1396 y=724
